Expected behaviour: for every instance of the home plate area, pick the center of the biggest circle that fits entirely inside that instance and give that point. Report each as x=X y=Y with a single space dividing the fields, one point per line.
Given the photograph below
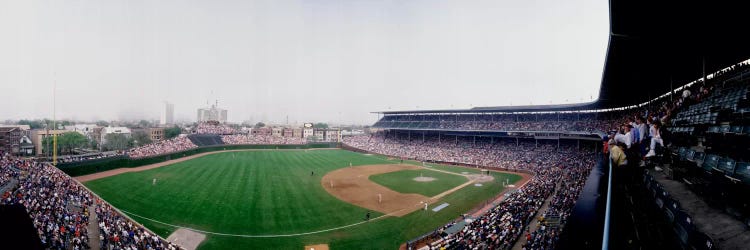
x=186 y=239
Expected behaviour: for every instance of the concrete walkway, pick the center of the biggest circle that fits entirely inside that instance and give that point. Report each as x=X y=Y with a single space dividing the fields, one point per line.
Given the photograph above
x=8 y=186
x=534 y=224
x=93 y=229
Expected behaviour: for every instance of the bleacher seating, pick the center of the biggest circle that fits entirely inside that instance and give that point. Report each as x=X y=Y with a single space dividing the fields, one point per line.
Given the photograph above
x=710 y=137
x=680 y=222
x=205 y=139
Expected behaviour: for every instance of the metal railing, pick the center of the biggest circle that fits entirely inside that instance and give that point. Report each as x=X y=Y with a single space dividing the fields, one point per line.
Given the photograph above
x=605 y=237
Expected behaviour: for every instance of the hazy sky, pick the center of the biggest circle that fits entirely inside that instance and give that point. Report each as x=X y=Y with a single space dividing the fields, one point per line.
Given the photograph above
x=313 y=60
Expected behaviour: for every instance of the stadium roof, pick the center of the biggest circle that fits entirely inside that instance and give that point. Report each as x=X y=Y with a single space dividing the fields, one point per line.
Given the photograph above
x=654 y=47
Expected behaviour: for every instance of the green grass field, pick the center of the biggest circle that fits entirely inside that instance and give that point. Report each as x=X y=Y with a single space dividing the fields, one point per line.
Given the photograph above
x=271 y=193
x=402 y=181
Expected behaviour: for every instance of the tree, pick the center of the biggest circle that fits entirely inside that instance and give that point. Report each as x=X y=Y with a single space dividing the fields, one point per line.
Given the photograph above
x=141 y=138
x=172 y=132
x=93 y=144
x=321 y=125
x=117 y=142
x=34 y=124
x=144 y=124
x=66 y=142
x=260 y=125
x=102 y=123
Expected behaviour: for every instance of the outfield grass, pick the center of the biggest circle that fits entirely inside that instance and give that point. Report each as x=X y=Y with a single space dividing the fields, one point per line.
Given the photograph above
x=271 y=192
x=403 y=181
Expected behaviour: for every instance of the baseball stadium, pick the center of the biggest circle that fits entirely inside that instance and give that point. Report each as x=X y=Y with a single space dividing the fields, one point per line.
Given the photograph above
x=657 y=160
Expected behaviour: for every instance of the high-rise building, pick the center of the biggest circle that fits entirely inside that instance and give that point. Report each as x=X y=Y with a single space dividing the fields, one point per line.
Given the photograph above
x=212 y=114
x=167 y=117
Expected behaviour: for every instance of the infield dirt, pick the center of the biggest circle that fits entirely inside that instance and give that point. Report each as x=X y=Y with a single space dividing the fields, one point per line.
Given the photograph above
x=353 y=186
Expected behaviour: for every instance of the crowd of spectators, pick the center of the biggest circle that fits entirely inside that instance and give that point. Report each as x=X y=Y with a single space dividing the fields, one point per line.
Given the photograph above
x=503 y=153
x=57 y=205
x=509 y=122
x=261 y=139
x=560 y=206
x=8 y=170
x=213 y=128
x=559 y=171
x=59 y=209
x=86 y=157
x=176 y=144
x=117 y=232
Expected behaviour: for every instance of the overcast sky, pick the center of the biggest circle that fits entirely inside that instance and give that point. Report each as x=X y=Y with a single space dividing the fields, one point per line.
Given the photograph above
x=310 y=60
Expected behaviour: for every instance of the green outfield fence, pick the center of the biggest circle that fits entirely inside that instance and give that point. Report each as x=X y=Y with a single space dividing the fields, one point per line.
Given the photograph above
x=104 y=164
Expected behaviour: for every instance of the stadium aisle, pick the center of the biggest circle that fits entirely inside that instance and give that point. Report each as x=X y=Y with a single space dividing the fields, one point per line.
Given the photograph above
x=534 y=224
x=93 y=228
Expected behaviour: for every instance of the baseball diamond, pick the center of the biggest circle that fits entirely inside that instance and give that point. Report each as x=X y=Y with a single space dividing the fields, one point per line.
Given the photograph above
x=232 y=197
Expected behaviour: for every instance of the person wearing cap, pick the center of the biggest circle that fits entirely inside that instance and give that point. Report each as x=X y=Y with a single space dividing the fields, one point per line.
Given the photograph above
x=617 y=154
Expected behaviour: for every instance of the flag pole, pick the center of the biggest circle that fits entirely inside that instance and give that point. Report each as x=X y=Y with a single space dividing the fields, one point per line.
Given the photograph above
x=54 y=121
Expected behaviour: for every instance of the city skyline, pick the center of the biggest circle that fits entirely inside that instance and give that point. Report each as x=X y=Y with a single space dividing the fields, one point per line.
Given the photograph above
x=333 y=61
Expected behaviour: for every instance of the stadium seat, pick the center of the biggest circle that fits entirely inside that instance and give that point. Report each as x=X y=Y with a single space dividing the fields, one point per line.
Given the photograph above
x=690 y=155
x=671 y=209
x=736 y=129
x=742 y=172
x=701 y=241
x=683 y=226
x=682 y=152
x=726 y=165
x=661 y=197
x=710 y=162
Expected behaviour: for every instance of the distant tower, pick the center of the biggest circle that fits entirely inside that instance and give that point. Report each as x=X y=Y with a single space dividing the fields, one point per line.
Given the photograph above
x=167 y=117
x=212 y=113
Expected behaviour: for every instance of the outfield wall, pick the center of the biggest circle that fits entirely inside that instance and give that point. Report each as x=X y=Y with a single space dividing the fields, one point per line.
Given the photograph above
x=104 y=164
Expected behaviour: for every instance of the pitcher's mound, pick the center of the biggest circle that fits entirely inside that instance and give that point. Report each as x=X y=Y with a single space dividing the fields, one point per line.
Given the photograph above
x=481 y=178
x=317 y=247
x=186 y=239
x=424 y=179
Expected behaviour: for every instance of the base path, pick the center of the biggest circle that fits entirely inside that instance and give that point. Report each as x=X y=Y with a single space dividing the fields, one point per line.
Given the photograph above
x=353 y=185
x=113 y=172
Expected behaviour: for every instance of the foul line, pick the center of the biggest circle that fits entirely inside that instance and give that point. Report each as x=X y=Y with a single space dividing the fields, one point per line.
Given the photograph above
x=252 y=236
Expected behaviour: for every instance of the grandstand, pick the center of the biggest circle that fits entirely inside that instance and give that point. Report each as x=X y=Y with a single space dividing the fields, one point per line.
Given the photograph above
x=201 y=140
x=691 y=195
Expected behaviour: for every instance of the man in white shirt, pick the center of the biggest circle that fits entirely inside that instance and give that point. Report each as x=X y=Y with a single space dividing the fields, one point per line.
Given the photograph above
x=655 y=138
x=641 y=127
x=626 y=138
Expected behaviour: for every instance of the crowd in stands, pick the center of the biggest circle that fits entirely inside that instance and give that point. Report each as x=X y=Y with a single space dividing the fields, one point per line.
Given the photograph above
x=559 y=172
x=86 y=157
x=117 y=232
x=213 y=128
x=59 y=209
x=8 y=170
x=57 y=205
x=504 y=154
x=633 y=135
x=176 y=144
x=261 y=139
x=510 y=122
